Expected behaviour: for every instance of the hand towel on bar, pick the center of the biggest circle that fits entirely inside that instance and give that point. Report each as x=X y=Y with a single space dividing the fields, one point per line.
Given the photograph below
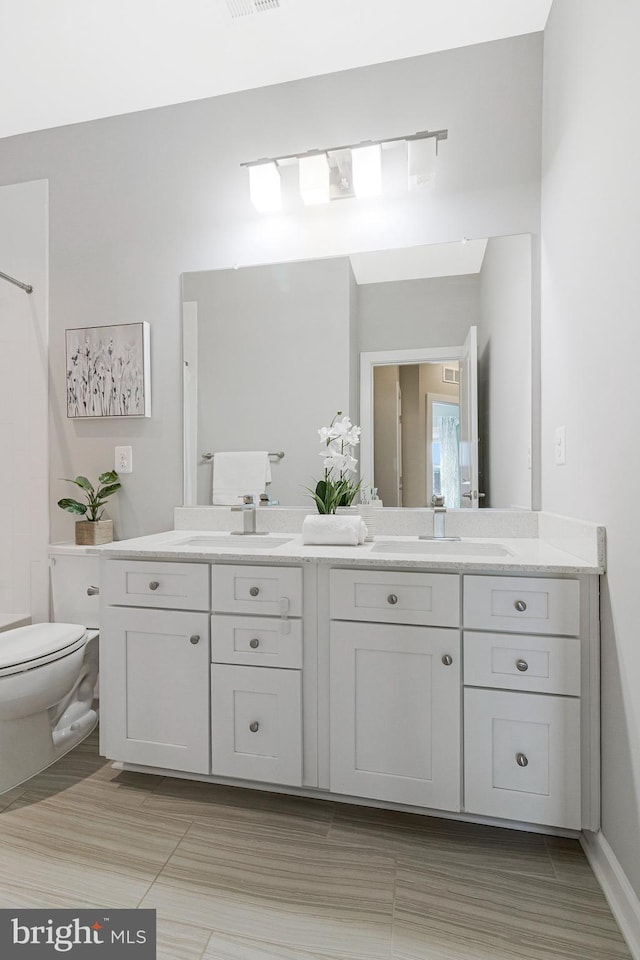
x=330 y=528
x=238 y=473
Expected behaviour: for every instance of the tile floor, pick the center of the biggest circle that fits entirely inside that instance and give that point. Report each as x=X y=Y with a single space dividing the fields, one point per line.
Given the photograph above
x=243 y=875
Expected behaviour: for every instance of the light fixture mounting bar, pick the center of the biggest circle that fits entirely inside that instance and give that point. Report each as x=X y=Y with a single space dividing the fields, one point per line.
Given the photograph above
x=421 y=135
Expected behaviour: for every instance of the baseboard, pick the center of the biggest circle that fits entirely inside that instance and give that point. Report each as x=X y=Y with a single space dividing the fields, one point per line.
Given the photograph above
x=620 y=895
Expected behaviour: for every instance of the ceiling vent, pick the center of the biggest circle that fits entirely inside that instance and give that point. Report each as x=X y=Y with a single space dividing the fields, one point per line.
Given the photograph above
x=244 y=8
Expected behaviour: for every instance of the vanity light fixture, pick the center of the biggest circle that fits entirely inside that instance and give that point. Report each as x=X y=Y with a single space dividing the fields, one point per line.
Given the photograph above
x=421 y=162
x=354 y=170
x=313 y=172
x=366 y=166
x=264 y=186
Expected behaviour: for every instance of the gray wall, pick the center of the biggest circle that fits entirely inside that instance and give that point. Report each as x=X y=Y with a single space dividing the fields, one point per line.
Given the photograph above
x=137 y=200
x=405 y=314
x=590 y=340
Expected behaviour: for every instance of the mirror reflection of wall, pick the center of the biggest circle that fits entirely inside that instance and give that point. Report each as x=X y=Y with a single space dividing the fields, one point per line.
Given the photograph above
x=277 y=348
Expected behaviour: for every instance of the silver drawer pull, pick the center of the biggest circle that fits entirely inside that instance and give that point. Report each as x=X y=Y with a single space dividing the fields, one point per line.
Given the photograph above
x=520 y=606
x=154 y=585
x=194 y=639
x=254 y=591
x=392 y=598
x=521 y=760
x=522 y=665
x=254 y=644
x=92 y=591
x=447 y=659
x=254 y=727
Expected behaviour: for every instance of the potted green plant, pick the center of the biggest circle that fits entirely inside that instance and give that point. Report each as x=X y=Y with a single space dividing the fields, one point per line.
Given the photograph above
x=93 y=529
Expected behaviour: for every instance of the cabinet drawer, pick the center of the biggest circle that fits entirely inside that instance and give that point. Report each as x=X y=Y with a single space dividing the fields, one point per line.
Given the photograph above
x=424 y=599
x=256 y=723
x=269 y=591
x=522 y=757
x=256 y=641
x=149 y=583
x=522 y=605
x=537 y=664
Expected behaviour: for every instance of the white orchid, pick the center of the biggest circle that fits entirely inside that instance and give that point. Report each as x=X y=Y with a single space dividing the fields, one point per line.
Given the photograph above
x=337 y=489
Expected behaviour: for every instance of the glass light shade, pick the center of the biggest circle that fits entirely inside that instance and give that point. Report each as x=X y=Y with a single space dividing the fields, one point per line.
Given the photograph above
x=314 y=178
x=264 y=187
x=366 y=170
x=421 y=161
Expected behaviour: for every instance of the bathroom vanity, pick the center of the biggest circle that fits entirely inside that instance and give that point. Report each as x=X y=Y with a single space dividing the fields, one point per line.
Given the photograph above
x=465 y=683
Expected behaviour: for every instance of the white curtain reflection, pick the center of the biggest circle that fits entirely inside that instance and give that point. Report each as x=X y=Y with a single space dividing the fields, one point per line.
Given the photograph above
x=448 y=431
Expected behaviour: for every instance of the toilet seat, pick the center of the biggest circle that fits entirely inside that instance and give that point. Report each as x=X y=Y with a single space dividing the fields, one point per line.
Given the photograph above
x=26 y=648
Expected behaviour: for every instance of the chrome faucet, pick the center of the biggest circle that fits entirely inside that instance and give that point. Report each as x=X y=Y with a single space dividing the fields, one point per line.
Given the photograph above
x=439 y=516
x=248 y=510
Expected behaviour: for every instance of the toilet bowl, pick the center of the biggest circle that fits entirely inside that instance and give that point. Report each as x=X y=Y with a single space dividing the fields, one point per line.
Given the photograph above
x=48 y=673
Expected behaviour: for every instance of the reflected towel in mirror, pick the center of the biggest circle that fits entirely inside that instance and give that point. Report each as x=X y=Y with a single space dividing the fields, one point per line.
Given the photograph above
x=329 y=528
x=237 y=473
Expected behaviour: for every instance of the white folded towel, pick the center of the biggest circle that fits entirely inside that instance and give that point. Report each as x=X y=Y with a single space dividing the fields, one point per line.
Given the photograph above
x=238 y=473
x=330 y=528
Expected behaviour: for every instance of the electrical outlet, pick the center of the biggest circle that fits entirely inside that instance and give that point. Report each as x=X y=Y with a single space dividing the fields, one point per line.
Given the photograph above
x=560 y=446
x=124 y=460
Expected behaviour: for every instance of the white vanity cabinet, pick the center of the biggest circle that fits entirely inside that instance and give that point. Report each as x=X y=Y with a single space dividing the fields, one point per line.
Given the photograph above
x=454 y=690
x=256 y=679
x=154 y=665
x=395 y=687
x=522 y=701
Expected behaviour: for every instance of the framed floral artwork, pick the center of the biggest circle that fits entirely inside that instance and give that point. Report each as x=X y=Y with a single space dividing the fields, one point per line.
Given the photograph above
x=108 y=371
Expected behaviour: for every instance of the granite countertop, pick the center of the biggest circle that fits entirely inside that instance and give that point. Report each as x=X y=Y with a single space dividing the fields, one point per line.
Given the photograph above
x=517 y=555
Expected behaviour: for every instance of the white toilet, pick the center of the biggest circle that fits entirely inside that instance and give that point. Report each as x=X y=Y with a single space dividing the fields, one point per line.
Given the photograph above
x=48 y=672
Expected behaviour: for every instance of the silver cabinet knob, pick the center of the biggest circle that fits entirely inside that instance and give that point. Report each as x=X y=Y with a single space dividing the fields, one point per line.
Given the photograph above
x=520 y=605
x=194 y=639
x=154 y=585
x=254 y=727
x=254 y=644
x=92 y=591
x=392 y=598
x=521 y=760
x=447 y=659
x=254 y=591
x=522 y=665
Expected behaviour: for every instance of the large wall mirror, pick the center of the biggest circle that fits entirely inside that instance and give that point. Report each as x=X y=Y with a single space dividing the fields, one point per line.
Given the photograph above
x=272 y=352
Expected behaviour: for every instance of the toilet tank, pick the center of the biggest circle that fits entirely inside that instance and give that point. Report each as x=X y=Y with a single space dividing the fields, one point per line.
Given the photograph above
x=73 y=572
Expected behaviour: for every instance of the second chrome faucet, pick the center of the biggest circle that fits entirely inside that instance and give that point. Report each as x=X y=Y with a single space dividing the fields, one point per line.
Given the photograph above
x=248 y=510
x=439 y=517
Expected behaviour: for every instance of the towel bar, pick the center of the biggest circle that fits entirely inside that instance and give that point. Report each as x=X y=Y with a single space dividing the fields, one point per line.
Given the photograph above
x=273 y=456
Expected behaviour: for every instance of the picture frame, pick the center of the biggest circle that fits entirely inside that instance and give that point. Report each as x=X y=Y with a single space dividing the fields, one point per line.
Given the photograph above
x=108 y=371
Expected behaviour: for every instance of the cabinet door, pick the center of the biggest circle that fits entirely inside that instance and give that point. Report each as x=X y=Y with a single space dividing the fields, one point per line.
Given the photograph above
x=522 y=757
x=154 y=667
x=395 y=713
x=256 y=723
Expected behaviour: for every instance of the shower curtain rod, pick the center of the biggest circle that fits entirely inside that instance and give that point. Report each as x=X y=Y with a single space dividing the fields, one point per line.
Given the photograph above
x=25 y=286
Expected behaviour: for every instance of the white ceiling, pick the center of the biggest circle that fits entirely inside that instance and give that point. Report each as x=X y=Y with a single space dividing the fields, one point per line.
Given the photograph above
x=66 y=61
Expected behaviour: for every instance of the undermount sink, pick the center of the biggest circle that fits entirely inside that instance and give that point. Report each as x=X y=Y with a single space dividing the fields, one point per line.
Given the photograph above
x=442 y=548
x=235 y=540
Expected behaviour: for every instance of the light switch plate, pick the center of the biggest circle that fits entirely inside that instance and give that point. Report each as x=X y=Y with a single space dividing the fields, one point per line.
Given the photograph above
x=560 y=447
